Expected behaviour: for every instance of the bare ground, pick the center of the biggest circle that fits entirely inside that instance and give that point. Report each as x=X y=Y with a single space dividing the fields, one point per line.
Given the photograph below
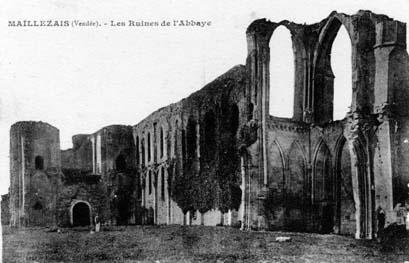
x=192 y=244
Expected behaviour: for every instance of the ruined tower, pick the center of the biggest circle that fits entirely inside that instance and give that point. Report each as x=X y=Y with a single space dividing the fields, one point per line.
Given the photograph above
x=35 y=161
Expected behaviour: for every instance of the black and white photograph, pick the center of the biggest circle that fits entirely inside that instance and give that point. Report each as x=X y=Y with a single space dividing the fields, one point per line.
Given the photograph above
x=204 y=131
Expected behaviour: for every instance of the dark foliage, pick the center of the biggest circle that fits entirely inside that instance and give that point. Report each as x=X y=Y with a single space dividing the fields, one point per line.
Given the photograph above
x=216 y=182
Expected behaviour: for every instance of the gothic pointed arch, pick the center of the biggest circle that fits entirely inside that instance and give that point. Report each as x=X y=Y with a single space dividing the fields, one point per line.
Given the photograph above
x=323 y=86
x=281 y=69
x=323 y=182
x=362 y=65
x=345 y=219
x=322 y=190
x=191 y=140
x=296 y=193
x=277 y=165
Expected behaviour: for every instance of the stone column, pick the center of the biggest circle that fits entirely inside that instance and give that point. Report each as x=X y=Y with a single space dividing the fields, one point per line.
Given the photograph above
x=359 y=132
x=258 y=60
x=390 y=38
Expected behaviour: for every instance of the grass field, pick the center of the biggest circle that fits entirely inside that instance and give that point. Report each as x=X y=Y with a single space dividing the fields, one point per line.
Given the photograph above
x=192 y=244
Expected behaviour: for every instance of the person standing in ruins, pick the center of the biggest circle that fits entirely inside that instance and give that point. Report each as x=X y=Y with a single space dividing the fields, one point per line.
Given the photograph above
x=381 y=223
x=97 y=223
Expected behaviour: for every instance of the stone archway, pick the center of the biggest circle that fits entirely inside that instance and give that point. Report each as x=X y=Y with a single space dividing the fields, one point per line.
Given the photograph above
x=323 y=82
x=322 y=189
x=345 y=219
x=362 y=188
x=80 y=213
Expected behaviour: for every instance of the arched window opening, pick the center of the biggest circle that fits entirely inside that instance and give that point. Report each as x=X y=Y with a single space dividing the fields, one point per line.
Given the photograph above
x=322 y=181
x=137 y=150
x=295 y=193
x=162 y=184
x=345 y=198
x=250 y=112
x=39 y=163
x=191 y=139
x=120 y=163
x=155 y=142
x=139 y=188
x=175 y=142
x=183 y=145
x=234 y=119
x=168 y=145
x=161 y=142
x=342 y=69
x=37 y=206
x=149 y=147
x=209 y=136
x=143 y=151
x=281 y=73
x=150 y=182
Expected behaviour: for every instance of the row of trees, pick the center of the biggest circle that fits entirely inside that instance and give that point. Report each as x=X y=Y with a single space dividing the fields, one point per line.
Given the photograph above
x=211 y=181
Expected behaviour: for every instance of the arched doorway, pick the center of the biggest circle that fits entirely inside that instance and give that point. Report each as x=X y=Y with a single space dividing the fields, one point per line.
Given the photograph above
x=274 y=208
x=345 y=203
x=322 y=190
x=81 y=214
x=355 y=197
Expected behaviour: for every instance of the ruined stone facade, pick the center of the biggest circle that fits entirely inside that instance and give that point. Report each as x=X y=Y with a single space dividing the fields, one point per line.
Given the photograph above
x=218 y=157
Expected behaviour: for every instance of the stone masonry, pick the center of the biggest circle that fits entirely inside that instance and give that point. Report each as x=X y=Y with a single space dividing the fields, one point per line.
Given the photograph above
x=218 y=158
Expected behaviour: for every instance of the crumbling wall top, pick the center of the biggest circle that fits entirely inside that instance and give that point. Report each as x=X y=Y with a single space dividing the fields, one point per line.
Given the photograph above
x=31 y=125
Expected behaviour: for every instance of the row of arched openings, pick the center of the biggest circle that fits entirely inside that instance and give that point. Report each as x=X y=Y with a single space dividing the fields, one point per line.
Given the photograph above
x=212 y=132
x=282 y=73
x=140 y=147
x=149 y=181
x=189 y=137
x=326 y=199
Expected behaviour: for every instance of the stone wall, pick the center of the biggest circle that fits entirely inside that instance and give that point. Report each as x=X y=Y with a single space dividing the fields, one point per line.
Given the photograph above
x=108 y=154
x=80 y=156
x=184 y=142
x=85 y=188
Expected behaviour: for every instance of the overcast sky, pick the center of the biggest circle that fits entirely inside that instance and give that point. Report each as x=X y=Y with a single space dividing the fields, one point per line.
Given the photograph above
x=82 y=79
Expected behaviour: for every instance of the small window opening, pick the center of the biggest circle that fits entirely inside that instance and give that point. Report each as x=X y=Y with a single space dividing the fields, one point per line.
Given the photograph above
x=39 y=163
x=120 y=163
x=38 y=206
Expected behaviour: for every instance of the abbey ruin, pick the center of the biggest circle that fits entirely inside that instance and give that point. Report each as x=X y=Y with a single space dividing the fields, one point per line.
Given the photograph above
x=218 y=158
